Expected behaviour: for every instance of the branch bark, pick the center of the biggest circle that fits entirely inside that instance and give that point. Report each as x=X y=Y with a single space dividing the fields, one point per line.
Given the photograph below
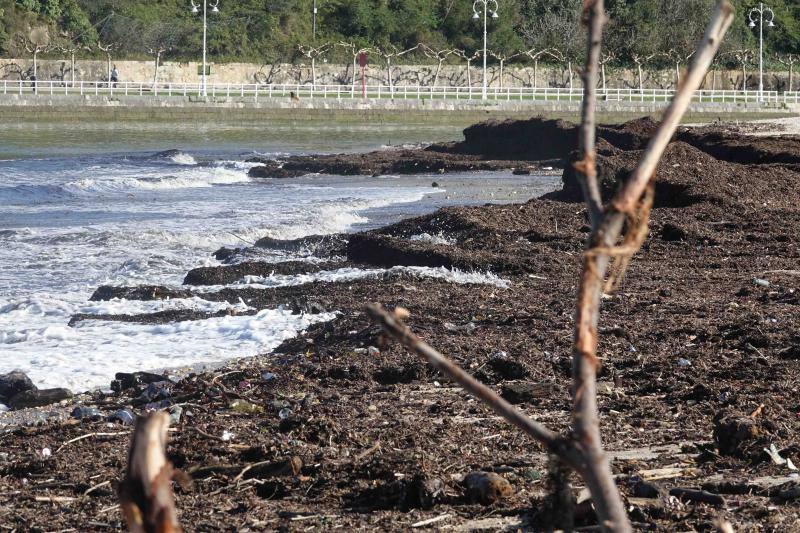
x=584 y=452
x=594 y=15
x=146 y=492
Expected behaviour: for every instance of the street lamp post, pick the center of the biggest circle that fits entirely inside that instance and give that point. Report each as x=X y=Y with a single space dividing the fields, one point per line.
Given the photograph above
x=477 y=16
x=314 y=25
x=761 y=10
x=196 y=9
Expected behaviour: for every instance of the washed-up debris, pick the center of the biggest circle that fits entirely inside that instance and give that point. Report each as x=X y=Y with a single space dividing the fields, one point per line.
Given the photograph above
x=775 y=455
x=86 y=413
x=38 y=398
x=227 y=436
x=123 y=380
x=684 y=362
x=285 y=413
x=13 y=383
x=245 y=407
x=46 y=452
x=486 y=487
x=527 y=392
x=267 y=376
x=761 y=282
x=155 y=391
x=507 y=367
x=123 y=416
x=699 y=496
x=175 y=414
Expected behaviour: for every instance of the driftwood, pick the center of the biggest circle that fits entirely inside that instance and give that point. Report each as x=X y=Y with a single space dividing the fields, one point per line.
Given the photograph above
x=146 y=492
x=583 y=451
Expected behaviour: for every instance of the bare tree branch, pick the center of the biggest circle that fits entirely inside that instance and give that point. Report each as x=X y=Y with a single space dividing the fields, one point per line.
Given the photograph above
x=146 y=492
x=393 y=325
x=594 y=15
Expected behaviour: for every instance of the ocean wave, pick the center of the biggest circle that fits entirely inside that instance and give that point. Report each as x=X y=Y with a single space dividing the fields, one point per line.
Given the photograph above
x=455 y=275
x=88 y=187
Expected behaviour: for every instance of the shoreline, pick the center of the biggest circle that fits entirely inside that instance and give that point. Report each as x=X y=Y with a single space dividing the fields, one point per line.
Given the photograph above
x=375 y=438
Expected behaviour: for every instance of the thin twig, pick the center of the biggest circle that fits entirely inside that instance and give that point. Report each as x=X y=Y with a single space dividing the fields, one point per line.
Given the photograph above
x=587 y=167
x=90 y=435
x=553 y=442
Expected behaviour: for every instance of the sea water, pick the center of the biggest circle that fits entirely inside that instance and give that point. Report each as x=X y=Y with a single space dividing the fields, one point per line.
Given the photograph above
x=98 y=205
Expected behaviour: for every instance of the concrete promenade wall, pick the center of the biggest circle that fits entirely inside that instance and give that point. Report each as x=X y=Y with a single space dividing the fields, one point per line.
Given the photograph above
x=454 y=75
x=31 y=107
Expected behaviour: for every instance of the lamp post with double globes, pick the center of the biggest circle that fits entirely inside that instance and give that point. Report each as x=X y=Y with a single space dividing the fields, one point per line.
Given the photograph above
x=758 y=13
x=476 y=8
x=196 y=9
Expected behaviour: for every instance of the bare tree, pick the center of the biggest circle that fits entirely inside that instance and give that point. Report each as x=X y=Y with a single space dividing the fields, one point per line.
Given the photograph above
x=639 y=60
x=743 y=56
x=388 y=52
x=537 y=55
x=108 y=49
x=625 y=217
x=70 y=47
x=440 y=55
x=678 y=58
x=312 y=53
x=469 y=59
x=789 y=60
x=355 y=51
x=605 y=57
x=502 y=57
x=36 y=42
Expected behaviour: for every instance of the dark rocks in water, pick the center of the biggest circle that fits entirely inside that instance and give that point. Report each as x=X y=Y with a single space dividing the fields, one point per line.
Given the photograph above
x=13 y=383
x=486 y=488
x=142 y=292
x=302 y=306
x=224 y=275
x=167 y=154
x=319 y=245
x=124 y=380
x=378 y=163
x=522 y=172
x=272 y=170
x=387 y=251
x=38 y=398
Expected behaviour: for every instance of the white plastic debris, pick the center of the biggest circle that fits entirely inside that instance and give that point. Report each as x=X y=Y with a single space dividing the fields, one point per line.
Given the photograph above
x=46 y=452
x=3 y=408
x=684 y=362
x=760 y=282
x=773 y=453
x=227 y=436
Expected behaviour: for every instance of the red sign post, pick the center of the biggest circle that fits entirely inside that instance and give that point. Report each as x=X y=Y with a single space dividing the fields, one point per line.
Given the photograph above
x=362 y=61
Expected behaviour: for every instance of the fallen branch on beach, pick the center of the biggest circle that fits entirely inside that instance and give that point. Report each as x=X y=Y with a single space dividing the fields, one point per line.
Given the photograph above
x=146 y=492
x=583 y=451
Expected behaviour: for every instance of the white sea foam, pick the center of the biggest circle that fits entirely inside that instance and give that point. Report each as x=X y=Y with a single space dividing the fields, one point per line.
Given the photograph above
x=438 y=238
x=182 y=158
x=344 y=275
x=89 y=354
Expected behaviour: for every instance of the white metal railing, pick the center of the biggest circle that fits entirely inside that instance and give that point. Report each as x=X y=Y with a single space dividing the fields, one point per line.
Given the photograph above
x=404 y=92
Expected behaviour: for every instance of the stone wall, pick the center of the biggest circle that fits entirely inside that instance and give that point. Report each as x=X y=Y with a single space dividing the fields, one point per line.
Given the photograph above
x=451 y=75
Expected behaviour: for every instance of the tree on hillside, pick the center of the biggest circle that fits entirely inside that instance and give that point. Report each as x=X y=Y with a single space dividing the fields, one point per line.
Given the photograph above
x=36 y=41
